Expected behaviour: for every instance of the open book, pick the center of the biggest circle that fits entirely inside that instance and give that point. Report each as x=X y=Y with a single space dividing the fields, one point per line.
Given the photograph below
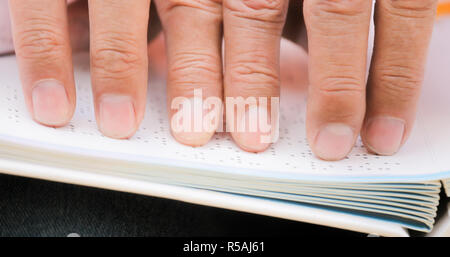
x=383 y=195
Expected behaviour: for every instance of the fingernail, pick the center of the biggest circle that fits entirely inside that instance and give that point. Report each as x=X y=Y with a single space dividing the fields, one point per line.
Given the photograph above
x=50 y=103
x=117 y=117
x=252 y=140
x=334 y=141
x=195 y=134
x=384 y=135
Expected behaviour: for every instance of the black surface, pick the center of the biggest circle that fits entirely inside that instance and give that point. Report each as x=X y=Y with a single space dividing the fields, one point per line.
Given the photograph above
x=31 y=207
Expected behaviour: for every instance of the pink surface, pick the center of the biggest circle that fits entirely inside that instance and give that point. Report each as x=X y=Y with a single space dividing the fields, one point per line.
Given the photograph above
x=6 y=44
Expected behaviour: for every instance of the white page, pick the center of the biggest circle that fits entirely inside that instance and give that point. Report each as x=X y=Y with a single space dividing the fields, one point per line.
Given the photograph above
x=435 y=103
x=290 y=157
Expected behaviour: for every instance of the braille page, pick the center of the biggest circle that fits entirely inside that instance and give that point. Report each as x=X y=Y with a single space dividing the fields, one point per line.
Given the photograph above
x=290 y=156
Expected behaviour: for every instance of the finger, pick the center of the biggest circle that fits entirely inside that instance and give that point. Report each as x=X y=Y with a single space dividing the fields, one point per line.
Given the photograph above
x=293 y=67
x=403 y=31
x=157 y=56
x=78 y=16
x=252 y=31
x=337 y=40
x=43 y=52
x=194 y=64
x=119 y=64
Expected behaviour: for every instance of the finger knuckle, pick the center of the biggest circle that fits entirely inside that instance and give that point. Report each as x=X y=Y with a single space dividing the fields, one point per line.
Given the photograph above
x=399 y=83
x=327 y=8
x=41 y=41
x=254 y=76
x=341 y=110
x=117 y=57
x=195 y=69
x=341 y=86
x=206 y=5
x=411 y=8
x=266 y=10
x=264 y=4
x=340 y=98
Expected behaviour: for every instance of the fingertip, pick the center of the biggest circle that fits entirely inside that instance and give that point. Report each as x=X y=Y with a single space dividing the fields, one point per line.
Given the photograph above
x=250 y=133
x=191 y=124
x=333 y=142
x=194 y=139
x=250 y=142
x=50 y=102
x=117 y=116
x=383 y=135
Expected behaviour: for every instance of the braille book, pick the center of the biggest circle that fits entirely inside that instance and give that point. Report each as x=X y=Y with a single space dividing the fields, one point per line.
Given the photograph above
x=383 y=195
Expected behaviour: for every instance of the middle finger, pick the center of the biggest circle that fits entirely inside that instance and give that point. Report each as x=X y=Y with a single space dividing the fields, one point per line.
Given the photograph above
x=252 y=32
x=119 y=64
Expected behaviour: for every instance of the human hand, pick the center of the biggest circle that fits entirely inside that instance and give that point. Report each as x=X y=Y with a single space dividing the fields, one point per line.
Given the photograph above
x=118 y=43
x=45 y=35
x=340 y=105
x=252 y=29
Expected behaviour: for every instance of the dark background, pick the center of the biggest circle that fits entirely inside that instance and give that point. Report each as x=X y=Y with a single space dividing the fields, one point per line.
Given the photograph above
x=31 y=207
